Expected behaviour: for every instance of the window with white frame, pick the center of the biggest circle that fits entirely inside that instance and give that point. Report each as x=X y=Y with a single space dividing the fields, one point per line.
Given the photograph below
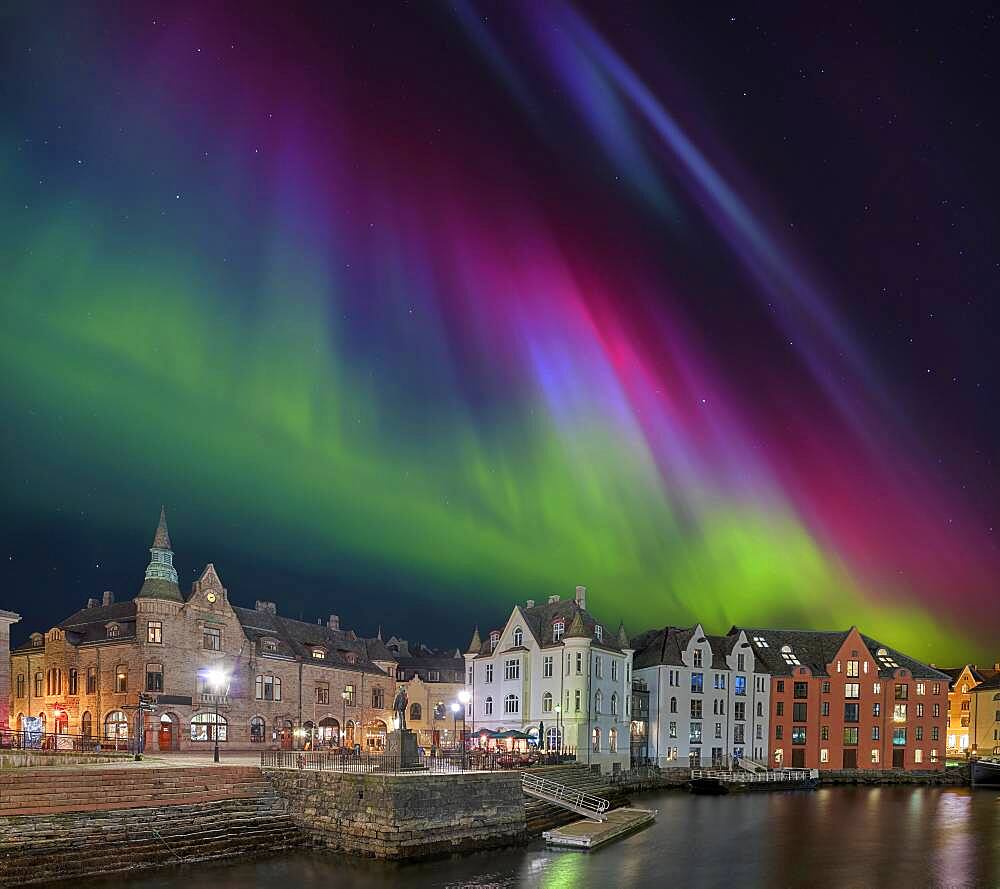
x=547 y=702
x=512 y=669
x=547 y=665
x=614 y=669
x=558 y=628
x=489 y=672
x=599 y=633
x=511 y=704
x=488 y=706
x=518 y=637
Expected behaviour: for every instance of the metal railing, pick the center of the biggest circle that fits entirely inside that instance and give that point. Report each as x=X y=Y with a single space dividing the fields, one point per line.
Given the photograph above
x=567 y=797
x=358 y=763
x=53 y=742
x=743 y=777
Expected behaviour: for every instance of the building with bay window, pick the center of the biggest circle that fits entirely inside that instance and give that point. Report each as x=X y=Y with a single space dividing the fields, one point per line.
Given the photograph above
x=557 y=674
x=708 y=697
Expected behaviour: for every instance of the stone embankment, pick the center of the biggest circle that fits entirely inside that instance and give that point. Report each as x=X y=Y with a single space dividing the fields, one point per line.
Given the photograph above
x=73 y=823
x=952 y=776
x=404 y=816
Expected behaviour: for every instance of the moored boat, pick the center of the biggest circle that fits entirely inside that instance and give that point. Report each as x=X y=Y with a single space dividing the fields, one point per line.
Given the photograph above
x=985 y=773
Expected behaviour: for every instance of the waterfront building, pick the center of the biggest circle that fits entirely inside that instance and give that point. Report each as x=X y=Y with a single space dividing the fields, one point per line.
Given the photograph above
x=434 y=681
x=708 y=696
x=842 y=700
x=6 y=619
x=985 y=713
x=964 y=680
x=639 y=731
x=275 y=681
x=557 y=674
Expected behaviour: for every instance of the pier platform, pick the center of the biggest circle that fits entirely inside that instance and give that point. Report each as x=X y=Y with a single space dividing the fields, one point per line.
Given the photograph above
x=587 y=834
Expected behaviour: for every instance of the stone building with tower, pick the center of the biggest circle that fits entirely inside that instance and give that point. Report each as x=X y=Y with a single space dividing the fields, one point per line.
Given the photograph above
x=287 y=683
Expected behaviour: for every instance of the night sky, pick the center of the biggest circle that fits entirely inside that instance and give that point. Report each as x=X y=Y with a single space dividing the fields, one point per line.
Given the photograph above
x=408 y=312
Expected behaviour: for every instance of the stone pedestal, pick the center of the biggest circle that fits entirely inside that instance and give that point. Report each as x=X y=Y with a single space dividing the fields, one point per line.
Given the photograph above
x=403 y=744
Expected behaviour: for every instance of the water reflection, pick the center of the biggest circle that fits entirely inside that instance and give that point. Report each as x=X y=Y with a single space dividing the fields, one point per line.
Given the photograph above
x=835 y=837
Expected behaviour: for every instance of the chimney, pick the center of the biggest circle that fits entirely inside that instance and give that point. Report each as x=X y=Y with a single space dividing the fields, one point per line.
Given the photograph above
x=109 y=597
x=92 y=602
x=553 y=600
x=531 y=603
x=996 y=667
x=334 y=622
x=269 y=607
x=581 y=597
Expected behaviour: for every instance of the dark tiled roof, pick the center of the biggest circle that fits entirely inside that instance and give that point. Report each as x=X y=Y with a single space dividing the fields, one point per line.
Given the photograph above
x=990 y=684
x=296 y=638
x=664 y=646
x=160 y=588
x=161 y=539
x=539 y=619
x=816 y=649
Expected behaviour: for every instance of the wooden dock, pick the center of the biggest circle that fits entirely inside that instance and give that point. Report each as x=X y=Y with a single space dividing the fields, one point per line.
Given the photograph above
x=591 y=834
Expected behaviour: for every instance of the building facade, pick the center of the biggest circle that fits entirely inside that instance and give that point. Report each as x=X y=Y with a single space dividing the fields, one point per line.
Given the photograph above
x=6 y=619
x=964 y=680
x=555 y=673
x=639 y=728
x=434 y=681
x=842 y=700
x=708 y=697
x=985 y=722
x=276 y=682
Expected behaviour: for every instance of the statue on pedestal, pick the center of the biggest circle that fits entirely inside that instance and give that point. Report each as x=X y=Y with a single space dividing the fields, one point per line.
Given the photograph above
x=399 y=708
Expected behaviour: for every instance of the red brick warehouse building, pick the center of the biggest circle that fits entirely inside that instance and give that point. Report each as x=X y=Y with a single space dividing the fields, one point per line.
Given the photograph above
x=842 y=700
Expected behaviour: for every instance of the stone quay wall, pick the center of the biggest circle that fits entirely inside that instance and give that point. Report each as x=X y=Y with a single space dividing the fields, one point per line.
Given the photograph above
x=404 y=816
x=953 y=775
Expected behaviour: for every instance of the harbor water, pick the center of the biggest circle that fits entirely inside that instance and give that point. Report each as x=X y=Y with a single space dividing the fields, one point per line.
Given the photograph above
x=837 y=837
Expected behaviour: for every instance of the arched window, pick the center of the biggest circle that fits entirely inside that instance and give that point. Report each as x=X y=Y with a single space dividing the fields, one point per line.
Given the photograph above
x=205 y=726
x=86 y=724
x=673 y=705
x=257 y=730
x=598 y=702
x=552 y=739
x=116 y=725
x=547 y=702
x=416 y=712
x=38 y=684
x=510 y=704
x=121 y=679
x=488 y=706
x=596 y=740
x=614 y=705
x=20 y=685
x=518 y=637
x=613 y=740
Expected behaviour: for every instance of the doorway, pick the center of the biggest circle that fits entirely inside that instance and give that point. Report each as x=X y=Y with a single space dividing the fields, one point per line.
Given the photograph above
x=167 y=737
x=798 y=759
x=897 y=758
x=850 y=759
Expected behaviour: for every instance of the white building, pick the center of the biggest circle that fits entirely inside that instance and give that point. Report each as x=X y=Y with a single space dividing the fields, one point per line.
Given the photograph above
x=708 y=696
x=553 y=669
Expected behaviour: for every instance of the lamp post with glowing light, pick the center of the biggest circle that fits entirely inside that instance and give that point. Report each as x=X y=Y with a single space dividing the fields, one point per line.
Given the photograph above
x=344 y=695
x=464 y=697
x=216 y=678
x=454 y=718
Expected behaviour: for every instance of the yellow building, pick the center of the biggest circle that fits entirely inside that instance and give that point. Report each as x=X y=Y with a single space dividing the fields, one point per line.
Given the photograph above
x=961 y=736
x=985 y=713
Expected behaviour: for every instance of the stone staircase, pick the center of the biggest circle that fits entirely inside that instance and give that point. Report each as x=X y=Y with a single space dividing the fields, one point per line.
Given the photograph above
x=541 y=815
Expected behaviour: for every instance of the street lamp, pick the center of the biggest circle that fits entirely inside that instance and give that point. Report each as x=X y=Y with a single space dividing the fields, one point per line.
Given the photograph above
x=454 y=718
x=216 y=678
x=558 y=726
x=343 y=723
x=464 y=697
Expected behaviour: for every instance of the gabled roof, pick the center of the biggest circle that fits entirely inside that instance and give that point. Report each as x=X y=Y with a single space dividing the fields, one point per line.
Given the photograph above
x=90 y=624
x=817 y=649
x=663 y=646
x=538 y=620
x=990 y=684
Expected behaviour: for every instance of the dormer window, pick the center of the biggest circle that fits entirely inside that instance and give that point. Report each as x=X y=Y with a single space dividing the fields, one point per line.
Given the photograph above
x=518 y=637
x=494 y=639
x=114 y=631
x=269 y=645
x=599 y=633
x=37 y=640
x=789 y=656
x=351 y=657
x=885 y=659
x=558 y=628
x=318 y=654
x=760 y=641
x=697 y=657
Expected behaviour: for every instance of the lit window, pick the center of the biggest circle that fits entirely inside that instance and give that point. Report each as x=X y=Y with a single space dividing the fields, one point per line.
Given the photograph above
x=319 y=654
x=824 y=755
x=208 y=727
x=789 y=656
x=760 y=642
x=599 y=633
x=154 y=631
x=267 y=687
x=875 y=756
x=885 y=658
x=558 y=628
x=114 y=631
x=121 y=679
